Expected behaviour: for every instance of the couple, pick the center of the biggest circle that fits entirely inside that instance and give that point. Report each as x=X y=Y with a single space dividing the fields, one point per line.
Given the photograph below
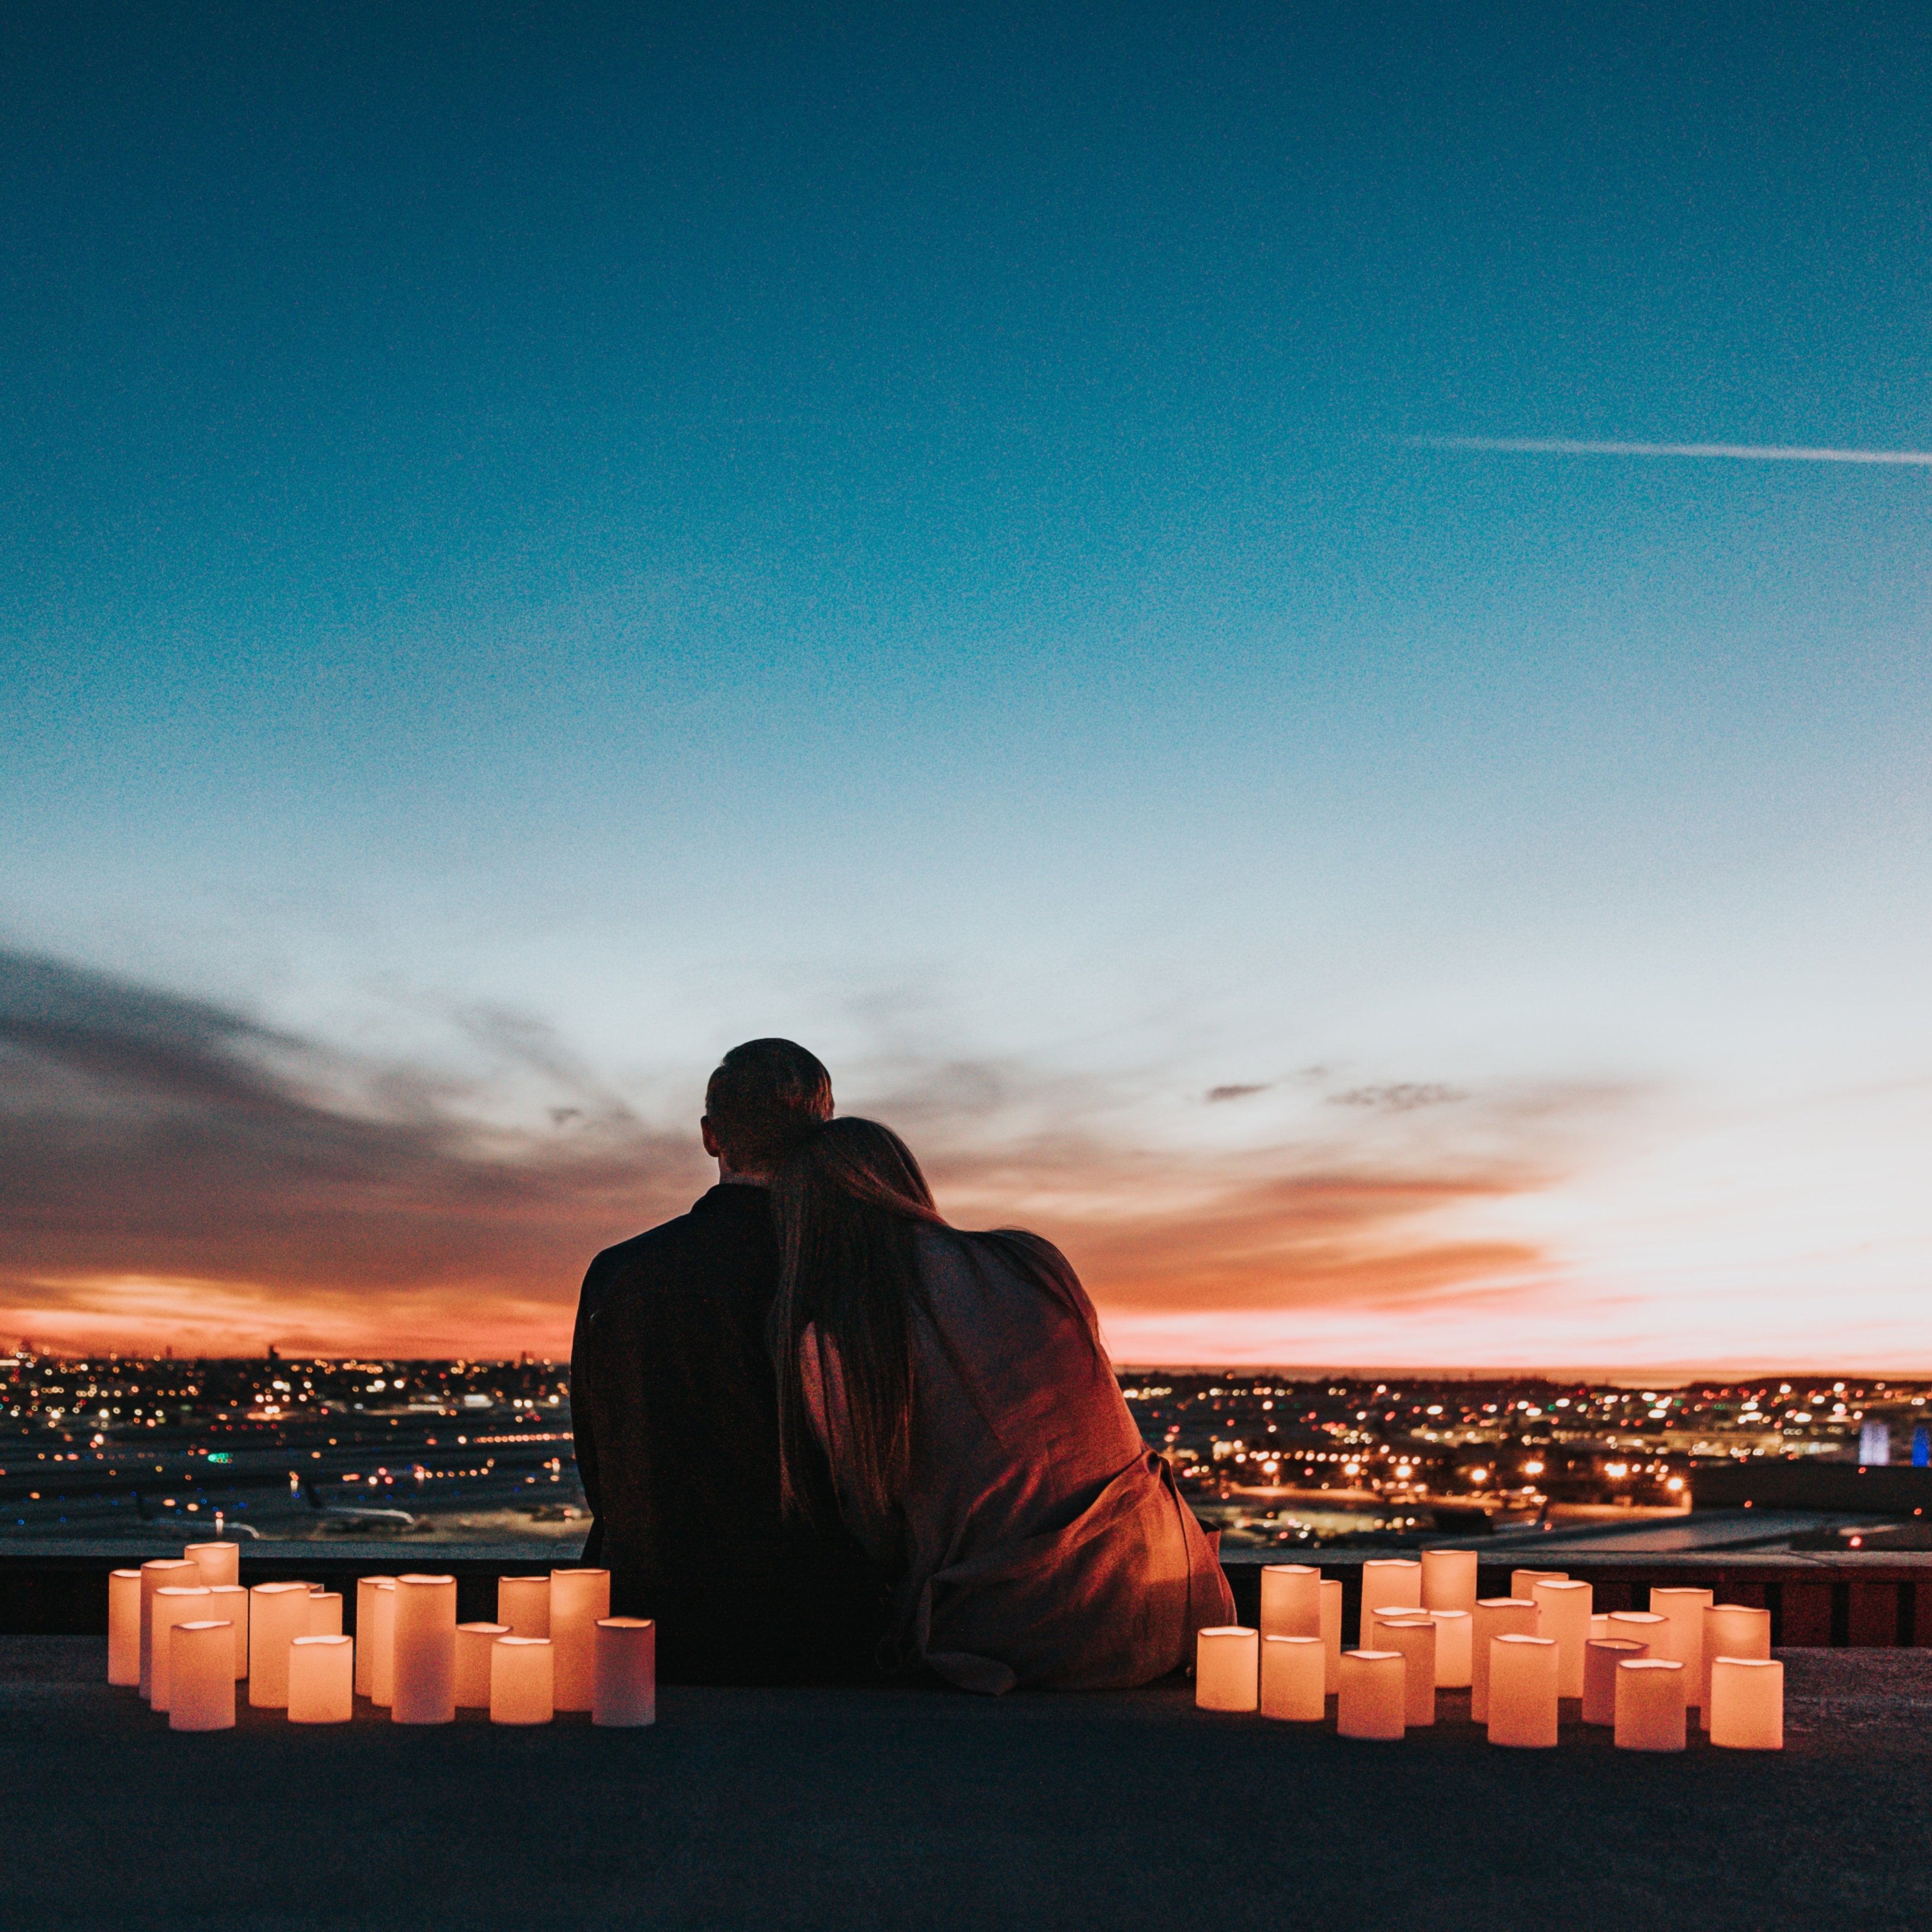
x=822 y=1433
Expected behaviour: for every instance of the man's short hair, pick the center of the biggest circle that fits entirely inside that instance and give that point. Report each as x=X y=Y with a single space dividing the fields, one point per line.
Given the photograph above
x=763 y=1096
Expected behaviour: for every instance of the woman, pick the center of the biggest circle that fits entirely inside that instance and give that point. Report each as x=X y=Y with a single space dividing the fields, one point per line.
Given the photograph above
x=979 y=1447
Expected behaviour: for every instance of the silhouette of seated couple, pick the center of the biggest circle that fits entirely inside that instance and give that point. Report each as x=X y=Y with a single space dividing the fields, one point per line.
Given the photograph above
x=825 y=1436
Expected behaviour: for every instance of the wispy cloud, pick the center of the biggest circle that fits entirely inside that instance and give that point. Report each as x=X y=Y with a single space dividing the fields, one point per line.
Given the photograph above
x=1736 y=452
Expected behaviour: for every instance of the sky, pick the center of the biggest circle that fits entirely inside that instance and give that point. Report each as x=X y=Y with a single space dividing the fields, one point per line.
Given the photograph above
x=1262 y=622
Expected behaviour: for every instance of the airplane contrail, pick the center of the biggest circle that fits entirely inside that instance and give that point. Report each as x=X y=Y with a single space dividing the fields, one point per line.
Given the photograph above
x=1743 y=452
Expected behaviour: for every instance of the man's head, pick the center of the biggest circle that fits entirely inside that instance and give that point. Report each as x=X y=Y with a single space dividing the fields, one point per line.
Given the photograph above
x=764 y=1095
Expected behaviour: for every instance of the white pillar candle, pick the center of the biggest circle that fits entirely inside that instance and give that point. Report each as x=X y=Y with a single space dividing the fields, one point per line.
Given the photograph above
x=1747 y=1703
x=1331 y=1631
x=277 y=1615
x=1522 y=1692
x=325 y=1613
x=382 y=1642
x=201 y=1676
x=173 y=1604
x=474 y=1643
x=321 y=1679
x=1393 y=1583
x=1643 y=1626
x=366 y=1588
x=229 y=1601
x=626 y=1691
x=1448 y=1579
x=1523 y=1582
x=1493 y=1617
x=1563 y=1615
x=1601 y=1656
x=1291 y=1600
x=1682 y=1637
x=1453 y=1629
x=1294 y=1678
x=523 y=1603
x=1730 y=1630
x=1650 y=1704
x=176 y=1572
x=1373 y=1696
x=521 y=1681
x=218 y=1562
x=1600 y=1624
x=1413 y=1639
x=1227 y=1668
x=577 y=1598
x=424 y=1645
x=124 y=1628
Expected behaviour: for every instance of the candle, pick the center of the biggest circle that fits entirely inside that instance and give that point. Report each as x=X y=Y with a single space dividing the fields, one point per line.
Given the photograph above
x=1563 y=1614
x=523 y=1603
x=1644 y=1626
x=1493 y=1617
x=1331 y=1632
x=1682 y=1637
x=626 y=1653
x=1747 y=1703
x=1413 y=1639
x=124 y=1628
x=1650 y=1704
x=172 y=1571
x=1291 y=1600
x=474 y=1644
x=1522 y=1691
x=1600 y=1624
x=277 y=1615
x=228 y=1603
x=577 y=1598
x=1227 y=1668
x=218 y=1562
x=1373 y=1696
x=366 y=1588
x=521 y=1681
x=321 y=1679
x=425 y=1649
x=1523 y=1582
x=1294 y=1678
x=1453 y=1630
x=1448 y=1579
x=1394 y=1583
x=382 y=1642
x=1601 y=1656
x=1730 y=1630
x=201 y=1676
x=325 y=1613
x=173 y=1604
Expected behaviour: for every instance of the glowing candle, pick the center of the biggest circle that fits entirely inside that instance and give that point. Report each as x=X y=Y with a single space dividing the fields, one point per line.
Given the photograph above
x=1563 y=1615
x=1747 y=1703
x=1294 y=1678
x=218 y=1562
x=277 y=1615
x=1291 y=1600
x=1395 y=1584
x=1448 y=1579
x=321 y=1679
x=1731 y=1630
x=1601 y=1656
x=1493 y=1617
x=175 y=1572
x=1227 y=1668
x=1682 y=1637
x=1413 y=1639
x=1600 y=1624
x=228 y=1603
x=521 y=1681
x=1650 y=1704
x=626 y=1692
x=1453 y=1630
x=1522 y=1692
x=366 y=1588
x=1523 y=1582
x=425 y=1647
x=1331 y=1632
x=325 y=1613
x=474 y=1643
x=201 y=1676
x=577 y=1598
x=1643 y=1627
x=382 y=1642
x=1373 y=1696
x=174 y=1604
x=124 y=1628
x=523 y=1603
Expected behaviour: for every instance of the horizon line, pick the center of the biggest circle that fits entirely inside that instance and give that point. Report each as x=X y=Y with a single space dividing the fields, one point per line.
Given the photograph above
x=1743 y=452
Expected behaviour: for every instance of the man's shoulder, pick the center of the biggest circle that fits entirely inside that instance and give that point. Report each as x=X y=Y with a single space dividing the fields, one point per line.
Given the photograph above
x=725 y=1221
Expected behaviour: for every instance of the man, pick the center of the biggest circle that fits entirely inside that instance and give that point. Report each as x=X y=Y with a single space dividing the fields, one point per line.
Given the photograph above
x=676 y=1415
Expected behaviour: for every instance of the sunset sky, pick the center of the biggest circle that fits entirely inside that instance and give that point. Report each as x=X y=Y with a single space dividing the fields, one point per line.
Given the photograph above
x=1045 y=552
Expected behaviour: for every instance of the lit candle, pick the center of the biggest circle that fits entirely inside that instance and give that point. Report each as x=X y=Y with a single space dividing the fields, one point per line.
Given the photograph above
x=523 y=1603
x=1731 y=1630
x=1294 y=1678
x=626 y=1693
x=1523 y=1582
x=325 y=1613
x=424 y=1645
x=1453 y=1629
x=1227 y=1668
x=366 y=1588
x=201 y=1676
x=1373 y=1696
x=1291 y=1600
x=1331 y=1632
x=474 y=1643
x=321 y=1679
x=124 y=1628
x=521 y=1681
x=1682 y=1637
x=1601 y=1656
x=229 y=1602
x=1493 y=1617
x=1563 y=1615
x=1747 y=1703
x=277 y=1615
x=1413 y=1639
x=1448 y=1579
x=218 y=1562
x=1650 y=1704
x=176 y=1573
x=1522 y=1692
x=173 y=1604
x=1394 y=1583
x=1643 y=1626
x=577 y=1598
x=382 y=1642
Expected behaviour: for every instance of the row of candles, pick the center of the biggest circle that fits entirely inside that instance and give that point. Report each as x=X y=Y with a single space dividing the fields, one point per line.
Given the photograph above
x=1423 y=1629
x=185 y=1633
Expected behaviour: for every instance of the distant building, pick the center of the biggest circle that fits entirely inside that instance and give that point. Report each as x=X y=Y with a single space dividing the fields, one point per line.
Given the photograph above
x=1875 y=1443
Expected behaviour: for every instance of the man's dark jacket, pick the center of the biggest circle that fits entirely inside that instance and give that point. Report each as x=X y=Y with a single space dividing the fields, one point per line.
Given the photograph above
x=677 y=1443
